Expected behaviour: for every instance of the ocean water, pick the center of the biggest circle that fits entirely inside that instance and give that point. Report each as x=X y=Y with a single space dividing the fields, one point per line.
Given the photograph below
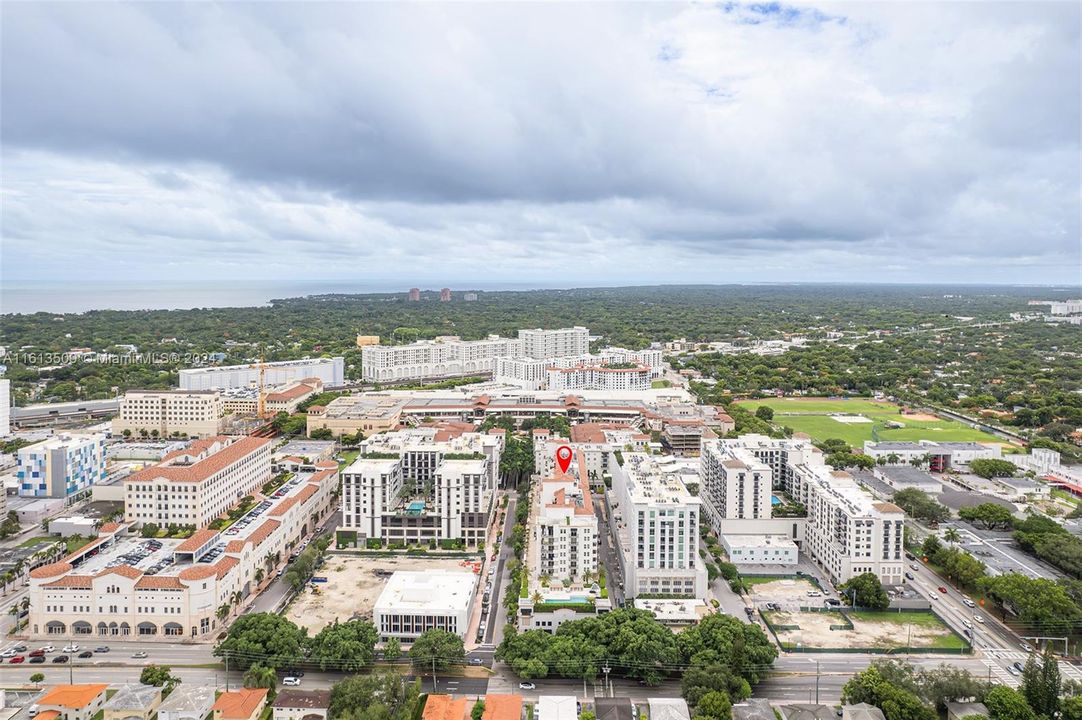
x=80 y=298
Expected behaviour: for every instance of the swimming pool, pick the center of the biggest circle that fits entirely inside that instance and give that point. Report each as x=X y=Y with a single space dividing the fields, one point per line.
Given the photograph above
x=416 y=507
x=775 y=500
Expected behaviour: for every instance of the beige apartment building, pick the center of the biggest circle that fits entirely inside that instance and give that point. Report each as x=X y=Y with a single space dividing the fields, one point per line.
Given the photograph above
x=350 y=414
x=168 y=413
x=195 y=485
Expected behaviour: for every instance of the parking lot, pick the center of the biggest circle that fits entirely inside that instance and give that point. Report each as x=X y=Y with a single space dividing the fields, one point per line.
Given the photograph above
x=784 y=593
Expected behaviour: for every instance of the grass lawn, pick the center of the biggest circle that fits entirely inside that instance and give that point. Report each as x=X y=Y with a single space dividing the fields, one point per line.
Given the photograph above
x=761 y=579
x=661 y=384
x=916 y=619
x=811 y=416
x=39 y=540
x=348 y=457
x=75 y=542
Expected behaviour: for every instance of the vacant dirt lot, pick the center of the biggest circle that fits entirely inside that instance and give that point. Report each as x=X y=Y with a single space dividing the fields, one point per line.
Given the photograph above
x=790 y=592
x=353 y=587
x=814 y=631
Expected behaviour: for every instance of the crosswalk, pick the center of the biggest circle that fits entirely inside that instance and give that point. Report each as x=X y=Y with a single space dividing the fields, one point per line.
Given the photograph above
x=998 y=671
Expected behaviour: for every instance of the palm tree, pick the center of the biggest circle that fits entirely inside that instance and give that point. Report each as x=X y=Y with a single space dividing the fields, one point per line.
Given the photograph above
x=259 y=676
x=952 y=536
x=237 y=597
x=222 y=611
x=259 y=574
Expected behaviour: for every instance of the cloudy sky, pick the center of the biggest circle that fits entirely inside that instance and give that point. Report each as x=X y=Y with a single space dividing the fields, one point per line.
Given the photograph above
x=540 y=144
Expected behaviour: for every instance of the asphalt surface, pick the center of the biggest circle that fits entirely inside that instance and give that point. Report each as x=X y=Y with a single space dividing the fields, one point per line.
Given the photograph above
x=614 y=577
x=501 y=580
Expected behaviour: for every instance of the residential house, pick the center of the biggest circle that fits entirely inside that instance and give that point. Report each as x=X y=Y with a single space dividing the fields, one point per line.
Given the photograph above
x=71 y=702
x=133 y=702
x=293 y=704
x=187 y=702
x=243 y=704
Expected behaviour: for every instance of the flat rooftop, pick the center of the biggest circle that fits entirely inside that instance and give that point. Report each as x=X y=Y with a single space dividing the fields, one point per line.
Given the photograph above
x=650 y=482
x=759 y=541
x=360 y=407
x=428 y=591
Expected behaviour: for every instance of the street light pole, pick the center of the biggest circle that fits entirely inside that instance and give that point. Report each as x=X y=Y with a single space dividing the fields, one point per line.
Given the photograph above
x=605 y=669
x=433 y=673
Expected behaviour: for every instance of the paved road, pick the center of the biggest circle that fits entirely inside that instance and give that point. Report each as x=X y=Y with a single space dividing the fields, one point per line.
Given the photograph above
x=614 y=578
x=501 y=581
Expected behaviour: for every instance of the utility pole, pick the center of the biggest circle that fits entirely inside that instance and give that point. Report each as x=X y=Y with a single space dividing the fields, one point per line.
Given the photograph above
x=227 y=671
x=605 y=669
x=816 y=682
x=433 y=673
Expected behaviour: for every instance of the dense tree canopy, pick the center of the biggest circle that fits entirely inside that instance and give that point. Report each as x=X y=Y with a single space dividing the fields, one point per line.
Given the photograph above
x=866 y=591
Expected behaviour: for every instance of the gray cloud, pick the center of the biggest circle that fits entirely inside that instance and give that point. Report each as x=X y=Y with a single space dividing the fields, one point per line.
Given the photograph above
x=498 y=140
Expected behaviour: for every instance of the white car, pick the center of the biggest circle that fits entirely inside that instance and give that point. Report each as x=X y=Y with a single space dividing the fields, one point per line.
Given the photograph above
x=979 y=619
x=968 y=602
x=526 y=686
x=1027 y=647
x=968 y=624
x=47 y=648
x=291 y=681
x=9 y=653
x=71 y=648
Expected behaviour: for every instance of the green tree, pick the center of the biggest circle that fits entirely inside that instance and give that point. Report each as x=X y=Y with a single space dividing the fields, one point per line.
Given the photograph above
x=952 y=536
x=150 y=530
x=392 y=650
x=920 y=506
x=988 y=516
x=896 y=703
x=262 y=635
x=37 y=678
x=715 y=704
x=347 y=646
x=159 y=676
x=477 y=710
x=1003 y=703
x=764 y=412
x=373 y=697
x=865 y=590
x=1041 y=684
x=989 y=468
x=437 y=646
x=260 y=676
x=1034 y=601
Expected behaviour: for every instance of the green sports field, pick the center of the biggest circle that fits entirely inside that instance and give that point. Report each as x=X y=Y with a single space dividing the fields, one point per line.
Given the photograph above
x=813 y=416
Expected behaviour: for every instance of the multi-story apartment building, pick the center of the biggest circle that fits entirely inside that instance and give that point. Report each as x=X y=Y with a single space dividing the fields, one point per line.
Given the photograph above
x=656 y=522
x=195 y=485
x=443 y=357
x=847 y=532
x=331 y=371
x=941 y=456
x=284 y=398
x=734 y=484
x=422 y=485
x=351 y=414
x=182 y=589
x=563 y=543
x=599 y=377
x=168 y=413
x=554 y=343
x=61 y=467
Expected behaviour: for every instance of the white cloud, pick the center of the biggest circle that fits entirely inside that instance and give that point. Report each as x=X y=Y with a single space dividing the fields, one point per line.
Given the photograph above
x=596 y=144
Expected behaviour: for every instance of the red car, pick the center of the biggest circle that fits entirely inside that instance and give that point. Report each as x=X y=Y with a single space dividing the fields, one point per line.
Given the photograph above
x=37 y=653
x=16 y=660
x=942 y=589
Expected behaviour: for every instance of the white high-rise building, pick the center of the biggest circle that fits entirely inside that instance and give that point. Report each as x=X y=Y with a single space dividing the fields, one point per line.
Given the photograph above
x=62 y=466
x=420 y=485
x=846 y=531
x=734 y=484
x=443 y=357
x=165 y=413
x=561 y=342
x=608 y=369
x=330 y=371
x=656 y=521
x=5 y=407
x=564 y=535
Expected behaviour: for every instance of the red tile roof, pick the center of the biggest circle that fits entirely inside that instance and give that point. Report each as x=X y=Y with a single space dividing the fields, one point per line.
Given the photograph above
x=239 y=704
x=197 y=572
x=75 y=697
x=50 y=570
x=109 y=528
x=203 y=469
x=198 y=539
x=82 y=582
x=124 y=570
x=159 y=582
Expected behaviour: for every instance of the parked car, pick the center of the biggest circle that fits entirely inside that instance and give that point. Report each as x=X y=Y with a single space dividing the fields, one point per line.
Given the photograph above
x=102 y=649
x=526 y=686
x=17 y=659
x=47 y=648
x=8 y=653
x=60 y=659
x=291 y=681
x=37 y=653
x=37 y=659
x=86 y=654
x=71 y=648
x=21 y=647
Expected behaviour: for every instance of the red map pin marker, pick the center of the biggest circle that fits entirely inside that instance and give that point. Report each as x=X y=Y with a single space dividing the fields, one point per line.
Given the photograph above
x=563 y=457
